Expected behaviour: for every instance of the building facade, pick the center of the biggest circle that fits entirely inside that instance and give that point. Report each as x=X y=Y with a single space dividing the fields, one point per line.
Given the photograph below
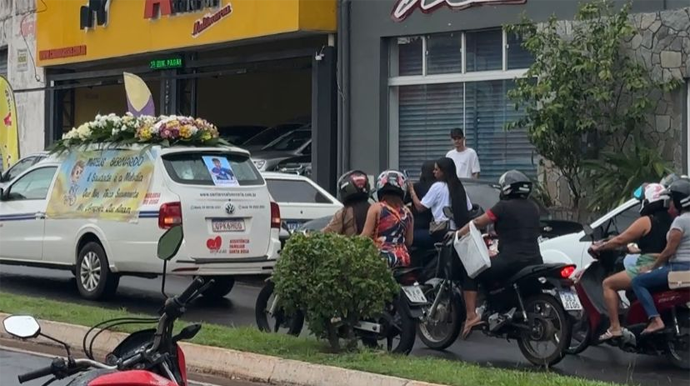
x=237 y=63
x=17 y=64
x=414 y=69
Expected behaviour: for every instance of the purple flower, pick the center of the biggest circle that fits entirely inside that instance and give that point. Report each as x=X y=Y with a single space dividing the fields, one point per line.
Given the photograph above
x=165 y=133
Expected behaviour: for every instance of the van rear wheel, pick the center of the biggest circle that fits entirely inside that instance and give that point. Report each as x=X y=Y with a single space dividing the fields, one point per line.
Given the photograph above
x=94 y=279
x=222 y=285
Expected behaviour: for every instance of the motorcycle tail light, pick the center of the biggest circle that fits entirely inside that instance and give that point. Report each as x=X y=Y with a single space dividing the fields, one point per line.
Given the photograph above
x=566 y=272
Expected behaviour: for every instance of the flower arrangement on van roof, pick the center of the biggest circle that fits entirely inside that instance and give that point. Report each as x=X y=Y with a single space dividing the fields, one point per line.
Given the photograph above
x=163 y=130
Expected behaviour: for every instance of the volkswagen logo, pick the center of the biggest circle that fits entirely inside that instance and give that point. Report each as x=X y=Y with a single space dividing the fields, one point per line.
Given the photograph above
x=229 y=208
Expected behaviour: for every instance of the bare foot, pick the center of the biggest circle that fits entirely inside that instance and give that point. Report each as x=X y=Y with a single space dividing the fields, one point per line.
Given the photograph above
x=655 y=325
x=469 y=324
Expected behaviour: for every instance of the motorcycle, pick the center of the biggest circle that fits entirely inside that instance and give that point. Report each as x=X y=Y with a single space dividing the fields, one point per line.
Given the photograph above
x=147 y=357
x=531 y=307
x=673 y=305
x=397 y=321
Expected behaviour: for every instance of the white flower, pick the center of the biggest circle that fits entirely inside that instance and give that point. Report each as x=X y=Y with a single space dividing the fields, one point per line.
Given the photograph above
x=116 y=131
x=70 y=134
x=84 y=131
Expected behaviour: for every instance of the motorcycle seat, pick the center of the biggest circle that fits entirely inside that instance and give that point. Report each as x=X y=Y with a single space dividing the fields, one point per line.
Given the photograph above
x=533 y=270
x=403 y=271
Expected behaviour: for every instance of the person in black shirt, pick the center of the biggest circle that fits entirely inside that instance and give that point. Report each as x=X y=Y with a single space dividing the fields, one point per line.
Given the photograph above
x=516 y=221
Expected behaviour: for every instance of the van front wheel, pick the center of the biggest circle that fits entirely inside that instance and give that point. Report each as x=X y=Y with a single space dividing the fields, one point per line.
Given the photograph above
x=222 y=285
x=94 y=279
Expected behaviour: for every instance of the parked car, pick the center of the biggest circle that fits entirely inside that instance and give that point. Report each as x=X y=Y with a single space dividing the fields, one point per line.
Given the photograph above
x=291 y=148
x=237 y=135
x=22 y=165
x=230 y=229
x=486 y=195
x=300 y=200
x=572 y=247
x=261 y=140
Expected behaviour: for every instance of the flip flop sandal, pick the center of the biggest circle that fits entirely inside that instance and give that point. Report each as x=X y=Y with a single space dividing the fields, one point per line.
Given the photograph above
x=608 y=335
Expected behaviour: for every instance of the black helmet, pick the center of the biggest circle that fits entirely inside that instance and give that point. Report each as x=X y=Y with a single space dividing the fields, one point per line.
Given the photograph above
x=353 y=185
x=680 y=193
x=515 y=184
x=391 y=181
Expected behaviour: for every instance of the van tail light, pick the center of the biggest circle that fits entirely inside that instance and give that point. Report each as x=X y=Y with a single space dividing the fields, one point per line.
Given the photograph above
x=169 y=215
x=566 y=272
x=275 y=216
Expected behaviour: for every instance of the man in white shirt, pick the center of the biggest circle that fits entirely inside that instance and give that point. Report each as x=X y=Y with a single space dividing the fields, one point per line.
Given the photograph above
x=465 y=158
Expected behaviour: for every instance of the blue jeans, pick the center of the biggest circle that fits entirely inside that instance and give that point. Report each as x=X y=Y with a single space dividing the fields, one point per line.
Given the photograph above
x=654 y=280
x=422 y=239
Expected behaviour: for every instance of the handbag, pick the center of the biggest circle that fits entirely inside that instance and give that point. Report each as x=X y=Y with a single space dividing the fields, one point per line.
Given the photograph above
x=678 y=279
x=439 y=226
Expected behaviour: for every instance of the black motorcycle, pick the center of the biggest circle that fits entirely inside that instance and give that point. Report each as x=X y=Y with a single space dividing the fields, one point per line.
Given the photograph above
x=528 y=307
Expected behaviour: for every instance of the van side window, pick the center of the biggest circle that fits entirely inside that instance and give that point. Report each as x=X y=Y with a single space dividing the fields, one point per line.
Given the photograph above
x=33 y=185
x=19 y=168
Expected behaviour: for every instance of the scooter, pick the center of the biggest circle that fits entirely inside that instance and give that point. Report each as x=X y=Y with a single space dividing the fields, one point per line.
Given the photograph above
x=148 y=357
x=673 y=305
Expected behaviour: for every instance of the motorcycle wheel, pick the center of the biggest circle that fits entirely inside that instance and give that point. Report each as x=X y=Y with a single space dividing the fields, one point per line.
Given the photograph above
x=581 y=335
x=403 y=328
x=548 y=322
x=293 y=324
x=442 y=331
x=678 y=351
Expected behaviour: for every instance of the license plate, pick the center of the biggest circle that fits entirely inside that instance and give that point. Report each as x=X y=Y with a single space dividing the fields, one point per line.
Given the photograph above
x=293 y=225
x=415 y=294
x=234 y=225
x=570 y=301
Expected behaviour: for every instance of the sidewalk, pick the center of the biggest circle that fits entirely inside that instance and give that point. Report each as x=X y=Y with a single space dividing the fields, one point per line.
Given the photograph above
x=224 y=363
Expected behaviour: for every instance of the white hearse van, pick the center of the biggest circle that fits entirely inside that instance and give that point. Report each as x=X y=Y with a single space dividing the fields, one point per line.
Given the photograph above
x=99 y=213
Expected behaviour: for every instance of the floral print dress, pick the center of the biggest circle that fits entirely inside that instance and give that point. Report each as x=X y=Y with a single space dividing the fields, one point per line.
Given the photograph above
x=391 y=231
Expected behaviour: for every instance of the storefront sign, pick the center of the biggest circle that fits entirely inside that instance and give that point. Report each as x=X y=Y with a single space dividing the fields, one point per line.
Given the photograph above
x=403 y=8
x=166 y=64
x=59 y=53
x=209 y=21
x=109 y=185
x=22 y=60
x=142 y=27
x=152 y=8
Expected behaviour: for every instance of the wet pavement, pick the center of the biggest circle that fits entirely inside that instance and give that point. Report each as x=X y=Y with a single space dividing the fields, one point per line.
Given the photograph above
x=144 y=296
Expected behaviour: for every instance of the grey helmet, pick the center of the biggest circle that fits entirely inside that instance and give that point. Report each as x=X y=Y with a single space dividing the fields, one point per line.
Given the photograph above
x=680 y=193
x=515 y=184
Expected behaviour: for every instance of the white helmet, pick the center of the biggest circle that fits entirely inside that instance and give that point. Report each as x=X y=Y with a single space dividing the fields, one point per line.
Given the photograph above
x=654 y=197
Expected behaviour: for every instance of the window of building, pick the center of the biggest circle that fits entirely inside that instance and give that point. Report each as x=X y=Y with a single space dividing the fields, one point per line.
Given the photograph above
x=3 y=62
x=460 y=79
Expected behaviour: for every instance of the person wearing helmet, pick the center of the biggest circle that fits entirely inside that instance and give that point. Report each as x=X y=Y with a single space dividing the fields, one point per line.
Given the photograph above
x=649 y=232
x=674 y=257
x=354 y=191
x=516 y=220
x=389 y=222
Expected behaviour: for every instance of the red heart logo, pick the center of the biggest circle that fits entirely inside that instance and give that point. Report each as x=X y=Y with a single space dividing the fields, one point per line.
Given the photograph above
x=214 y=244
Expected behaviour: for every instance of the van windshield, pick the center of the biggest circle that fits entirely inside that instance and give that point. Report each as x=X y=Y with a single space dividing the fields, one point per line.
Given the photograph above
x=200 y=169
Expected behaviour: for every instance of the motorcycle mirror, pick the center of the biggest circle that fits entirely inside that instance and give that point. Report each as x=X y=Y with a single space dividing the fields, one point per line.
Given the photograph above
x=188 y=332
x=169 y=244
x=23 y=327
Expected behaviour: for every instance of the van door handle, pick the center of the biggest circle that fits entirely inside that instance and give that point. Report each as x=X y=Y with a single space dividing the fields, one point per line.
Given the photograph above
x=40 y=215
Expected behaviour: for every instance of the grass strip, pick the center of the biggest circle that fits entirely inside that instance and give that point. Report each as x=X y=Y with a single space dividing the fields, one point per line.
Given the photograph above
x=249 y=339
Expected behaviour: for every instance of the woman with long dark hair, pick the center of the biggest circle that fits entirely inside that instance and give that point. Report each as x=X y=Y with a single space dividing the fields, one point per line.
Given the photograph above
x=354 y=191
x=422 y=219
x=447 y=191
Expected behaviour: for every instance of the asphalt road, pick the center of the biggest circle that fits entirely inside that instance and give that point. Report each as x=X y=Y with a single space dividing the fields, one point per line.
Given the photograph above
x=143 y=295
x=14 y=363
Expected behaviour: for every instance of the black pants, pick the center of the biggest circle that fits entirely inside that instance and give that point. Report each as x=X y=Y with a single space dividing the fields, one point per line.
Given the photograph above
x=502 y=268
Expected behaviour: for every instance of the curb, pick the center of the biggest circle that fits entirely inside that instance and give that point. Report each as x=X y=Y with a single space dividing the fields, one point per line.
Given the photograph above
x=228 y=363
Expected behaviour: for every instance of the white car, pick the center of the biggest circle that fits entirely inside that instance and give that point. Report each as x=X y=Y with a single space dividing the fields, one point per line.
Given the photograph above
x=231 y=229
x=572 y=248
x=300 y=199
x=21 y=166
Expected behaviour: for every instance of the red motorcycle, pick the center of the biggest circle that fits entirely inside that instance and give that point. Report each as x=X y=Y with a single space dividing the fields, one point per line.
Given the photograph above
x=148 y=357
x=673 y=305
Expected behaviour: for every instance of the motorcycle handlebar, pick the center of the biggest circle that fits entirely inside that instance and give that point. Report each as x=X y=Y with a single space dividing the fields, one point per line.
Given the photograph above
x=190 y=291
x=40 y=373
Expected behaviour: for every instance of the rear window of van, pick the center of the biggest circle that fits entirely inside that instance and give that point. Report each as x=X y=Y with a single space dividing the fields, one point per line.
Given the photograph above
x=198 y=168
